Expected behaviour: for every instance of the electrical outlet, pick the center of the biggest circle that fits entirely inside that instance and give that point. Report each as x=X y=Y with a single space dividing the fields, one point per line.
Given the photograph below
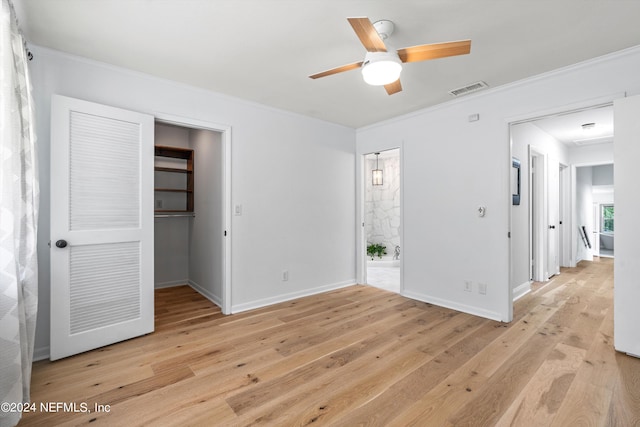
x=285 y=275
x=482 y=288
x=467 y=285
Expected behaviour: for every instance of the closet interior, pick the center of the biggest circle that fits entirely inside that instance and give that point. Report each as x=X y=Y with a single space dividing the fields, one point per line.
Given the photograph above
x=188 y=200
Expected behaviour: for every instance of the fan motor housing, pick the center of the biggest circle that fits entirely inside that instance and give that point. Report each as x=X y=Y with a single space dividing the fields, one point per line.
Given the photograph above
x=384 y=27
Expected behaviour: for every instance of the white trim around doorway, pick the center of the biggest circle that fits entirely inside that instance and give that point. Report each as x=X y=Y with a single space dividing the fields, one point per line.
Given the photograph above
x=225 y=131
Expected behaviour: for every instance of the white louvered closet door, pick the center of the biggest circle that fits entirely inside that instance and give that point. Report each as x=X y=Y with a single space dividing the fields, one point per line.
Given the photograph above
x=101 y=225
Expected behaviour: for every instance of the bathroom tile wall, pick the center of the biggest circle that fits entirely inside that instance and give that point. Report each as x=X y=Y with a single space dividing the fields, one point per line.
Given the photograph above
x=382 y=202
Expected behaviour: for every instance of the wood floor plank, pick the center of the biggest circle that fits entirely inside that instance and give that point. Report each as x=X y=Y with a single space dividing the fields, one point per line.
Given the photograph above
x=336 y=404
x=497 y=394
x=449 y=350
x=592 y=400
x=624 y=409
x=450 y=395
x=100 y=381
x=299 y=343
x=366 y=363
x=296 y=377
x=538 y=403
x=359 y=356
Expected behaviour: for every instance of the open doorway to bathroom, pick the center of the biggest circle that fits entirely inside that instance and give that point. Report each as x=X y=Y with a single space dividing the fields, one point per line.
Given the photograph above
x=382 y=219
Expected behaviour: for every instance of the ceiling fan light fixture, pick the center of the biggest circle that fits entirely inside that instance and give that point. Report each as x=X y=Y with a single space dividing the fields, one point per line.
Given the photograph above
x=381 y=68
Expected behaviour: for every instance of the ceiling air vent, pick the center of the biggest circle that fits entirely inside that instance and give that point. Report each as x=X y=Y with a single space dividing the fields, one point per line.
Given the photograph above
x=473 y=87
x=592 y=141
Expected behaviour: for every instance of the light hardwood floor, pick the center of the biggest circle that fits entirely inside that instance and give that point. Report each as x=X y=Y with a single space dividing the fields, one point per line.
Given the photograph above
x=360 y=356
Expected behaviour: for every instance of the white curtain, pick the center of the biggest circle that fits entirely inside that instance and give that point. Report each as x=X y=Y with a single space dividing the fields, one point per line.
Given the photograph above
x=18 y=218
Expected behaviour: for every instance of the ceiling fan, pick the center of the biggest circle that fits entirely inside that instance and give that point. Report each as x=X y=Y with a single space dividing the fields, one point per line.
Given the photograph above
x=381 y=67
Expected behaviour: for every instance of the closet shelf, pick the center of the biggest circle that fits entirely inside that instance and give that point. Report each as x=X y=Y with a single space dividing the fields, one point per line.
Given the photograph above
x=173 y=214
x=183 y=156
x=174 y=190
x=175 y=152
x=173 y=170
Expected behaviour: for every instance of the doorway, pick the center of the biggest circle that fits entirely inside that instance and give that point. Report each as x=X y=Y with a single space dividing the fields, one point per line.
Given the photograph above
x=102 y=278
x=606 y=241
x=382 y=219
x=595 y=209
x=546 y=226
x=194 y=247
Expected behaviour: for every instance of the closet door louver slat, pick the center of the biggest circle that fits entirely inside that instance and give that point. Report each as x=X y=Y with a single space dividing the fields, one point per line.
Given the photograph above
x=104 y=285
x=105 y=173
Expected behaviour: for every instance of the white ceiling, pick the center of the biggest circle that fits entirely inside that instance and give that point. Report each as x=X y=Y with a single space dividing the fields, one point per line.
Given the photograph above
x=567 y=128
x=263 y=50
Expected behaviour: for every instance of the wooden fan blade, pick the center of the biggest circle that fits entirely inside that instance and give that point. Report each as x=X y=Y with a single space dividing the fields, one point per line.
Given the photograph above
x=367 y=34
x=434 y=51
x=394 y=87
x=336 y=70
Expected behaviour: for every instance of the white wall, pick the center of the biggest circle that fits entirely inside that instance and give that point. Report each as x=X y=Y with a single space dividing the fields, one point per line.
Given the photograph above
x=603 y=175
x=603 y=185
x=206 y=229
x=455 y=166
x=591 y=154
x=293 y=216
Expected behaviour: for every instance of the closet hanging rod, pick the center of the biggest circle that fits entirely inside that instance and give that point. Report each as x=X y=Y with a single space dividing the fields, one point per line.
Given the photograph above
x=191 y=214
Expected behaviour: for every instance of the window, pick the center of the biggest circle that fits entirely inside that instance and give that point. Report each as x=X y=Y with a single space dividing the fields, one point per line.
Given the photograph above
x=606 y=218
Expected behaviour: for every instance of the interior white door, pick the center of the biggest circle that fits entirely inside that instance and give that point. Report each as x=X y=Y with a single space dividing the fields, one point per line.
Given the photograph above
x=553 y=212
x=101 y=225
x=538 y=215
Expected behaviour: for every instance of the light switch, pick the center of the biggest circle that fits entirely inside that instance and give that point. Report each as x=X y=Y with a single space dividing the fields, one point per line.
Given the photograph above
x=238 y=210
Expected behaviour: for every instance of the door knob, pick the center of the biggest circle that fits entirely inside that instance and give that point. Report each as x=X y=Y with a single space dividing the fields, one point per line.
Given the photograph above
x=61 y=244
x=552 y=227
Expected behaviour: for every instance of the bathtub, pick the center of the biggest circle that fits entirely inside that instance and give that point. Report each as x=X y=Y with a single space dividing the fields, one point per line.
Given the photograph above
x=606 y=241
x=384 y=262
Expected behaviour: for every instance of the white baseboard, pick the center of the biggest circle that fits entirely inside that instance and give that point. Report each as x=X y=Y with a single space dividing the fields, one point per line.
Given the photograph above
x=40 y=353
x=171 y=284
x=521 y=290
x=290 y=296
x=476 y=311
x=206 y=293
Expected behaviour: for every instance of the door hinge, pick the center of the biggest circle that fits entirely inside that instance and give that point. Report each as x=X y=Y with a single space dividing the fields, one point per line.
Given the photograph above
x=508 y=234
x=225 y=233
